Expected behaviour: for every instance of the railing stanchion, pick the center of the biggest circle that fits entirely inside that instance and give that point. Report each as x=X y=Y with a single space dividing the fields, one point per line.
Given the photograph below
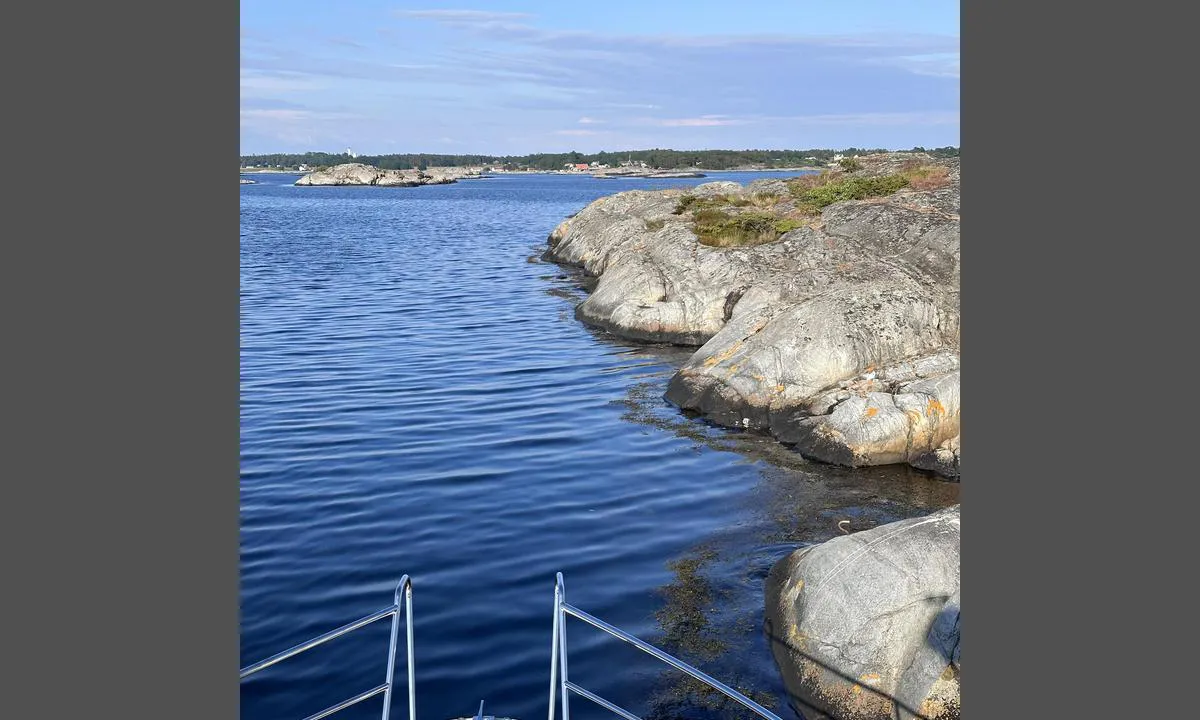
x=562 y=649
x=554 y=644
x=412 y=686
x=391 y=666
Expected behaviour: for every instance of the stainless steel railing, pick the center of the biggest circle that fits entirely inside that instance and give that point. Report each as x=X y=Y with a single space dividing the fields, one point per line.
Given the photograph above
x=403 y=597
x=558 y=662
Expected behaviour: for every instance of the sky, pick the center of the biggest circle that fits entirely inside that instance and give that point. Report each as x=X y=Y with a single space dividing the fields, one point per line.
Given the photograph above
x=508 y=77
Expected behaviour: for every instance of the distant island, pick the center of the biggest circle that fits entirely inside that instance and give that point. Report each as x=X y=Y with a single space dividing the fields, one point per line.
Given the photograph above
x=362 y=174
x=656 y=160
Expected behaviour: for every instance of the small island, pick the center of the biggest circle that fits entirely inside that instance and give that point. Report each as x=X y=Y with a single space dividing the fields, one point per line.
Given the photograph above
x=362 y=174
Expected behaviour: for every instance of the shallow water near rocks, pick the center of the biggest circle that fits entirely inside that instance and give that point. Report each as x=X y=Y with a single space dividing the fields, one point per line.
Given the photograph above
x=417 y=397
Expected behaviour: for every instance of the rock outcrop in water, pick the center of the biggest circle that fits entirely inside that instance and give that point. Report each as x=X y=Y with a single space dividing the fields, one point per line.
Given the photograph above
x=835 y=326
x=360 y=174
x=866 y=627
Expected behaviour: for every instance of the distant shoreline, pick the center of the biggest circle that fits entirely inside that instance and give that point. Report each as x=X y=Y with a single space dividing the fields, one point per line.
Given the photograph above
x=272 y=171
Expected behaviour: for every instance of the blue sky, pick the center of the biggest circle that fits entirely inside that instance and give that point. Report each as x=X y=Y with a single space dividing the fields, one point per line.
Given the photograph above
x=517 y=77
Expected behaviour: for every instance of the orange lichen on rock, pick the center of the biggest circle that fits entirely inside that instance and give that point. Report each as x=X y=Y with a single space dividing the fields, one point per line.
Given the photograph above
x=723 y=355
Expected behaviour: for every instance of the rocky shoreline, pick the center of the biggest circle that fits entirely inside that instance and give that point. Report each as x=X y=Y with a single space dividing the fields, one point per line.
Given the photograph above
x=834 y=329
x=360 y=174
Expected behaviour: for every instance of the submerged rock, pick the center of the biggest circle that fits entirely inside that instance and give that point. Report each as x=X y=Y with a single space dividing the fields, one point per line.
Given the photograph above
x=866 y=627
x=361 y=174
x=866 y=286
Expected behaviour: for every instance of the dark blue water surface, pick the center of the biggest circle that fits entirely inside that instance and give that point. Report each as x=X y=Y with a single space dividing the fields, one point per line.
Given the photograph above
x=417 y=397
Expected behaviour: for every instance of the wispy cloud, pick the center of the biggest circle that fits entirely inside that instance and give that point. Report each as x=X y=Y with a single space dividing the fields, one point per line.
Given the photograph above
x=345 y=42
x=702 y=121
x=590 y=121
x=880 y=119
x=294 y=115
x=463 y=17
x=944 y=65
x=257 y=103
x=279 y=81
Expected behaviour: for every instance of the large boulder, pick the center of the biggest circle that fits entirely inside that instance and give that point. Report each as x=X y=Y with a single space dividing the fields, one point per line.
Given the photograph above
x=867 y=286
x=879 y=428
x=866 y=626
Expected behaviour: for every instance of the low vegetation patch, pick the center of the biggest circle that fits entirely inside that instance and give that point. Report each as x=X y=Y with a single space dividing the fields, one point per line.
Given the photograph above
x=717 y=228
x=814 y=192
x=850 y=189
x=849 y=164
x=925 y=177
x=655 y=225
x=695 y=202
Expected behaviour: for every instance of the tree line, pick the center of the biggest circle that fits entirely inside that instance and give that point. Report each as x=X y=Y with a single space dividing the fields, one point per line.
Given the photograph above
x=656 y=158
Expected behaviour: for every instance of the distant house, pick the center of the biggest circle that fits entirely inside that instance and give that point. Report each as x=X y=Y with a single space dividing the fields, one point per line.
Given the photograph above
x=581 y=166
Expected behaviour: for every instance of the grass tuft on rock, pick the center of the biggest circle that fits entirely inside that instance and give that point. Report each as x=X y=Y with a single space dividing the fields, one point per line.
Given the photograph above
x=717 y=228
x=814 y=192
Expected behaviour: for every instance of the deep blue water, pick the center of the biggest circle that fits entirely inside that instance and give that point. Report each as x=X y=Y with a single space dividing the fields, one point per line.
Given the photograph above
x=417 y=397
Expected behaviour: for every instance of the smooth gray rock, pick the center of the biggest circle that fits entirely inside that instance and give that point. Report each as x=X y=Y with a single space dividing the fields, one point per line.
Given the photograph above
x=868 y=285
x=866 y=626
